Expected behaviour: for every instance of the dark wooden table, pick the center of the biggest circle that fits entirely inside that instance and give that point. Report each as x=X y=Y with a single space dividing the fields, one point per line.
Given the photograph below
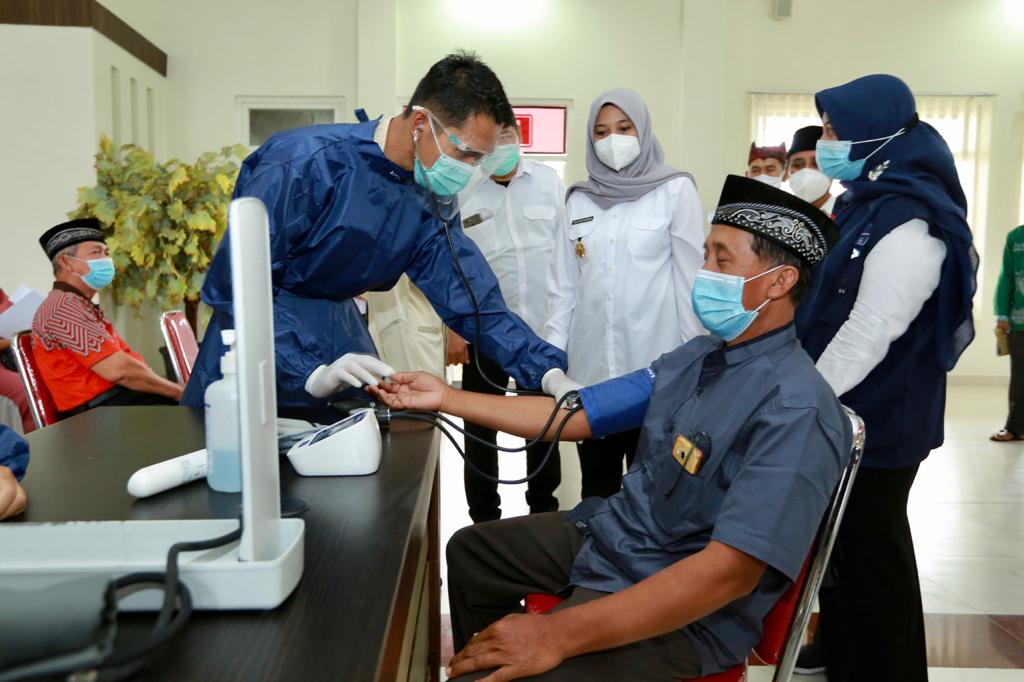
x=367 y=605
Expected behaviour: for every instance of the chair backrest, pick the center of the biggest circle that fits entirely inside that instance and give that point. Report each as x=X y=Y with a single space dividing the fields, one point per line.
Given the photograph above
x=181 y=343
x=40 y=401
x=785 y=624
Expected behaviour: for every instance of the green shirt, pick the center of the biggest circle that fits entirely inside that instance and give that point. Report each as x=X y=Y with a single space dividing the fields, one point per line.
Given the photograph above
x=1010 y=287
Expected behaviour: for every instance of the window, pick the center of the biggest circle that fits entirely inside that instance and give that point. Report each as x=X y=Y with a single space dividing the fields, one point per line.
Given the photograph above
x=964 y=121
x=261 y=117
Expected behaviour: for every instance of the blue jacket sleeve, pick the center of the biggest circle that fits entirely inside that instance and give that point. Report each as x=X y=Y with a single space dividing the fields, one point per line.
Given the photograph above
x=504 y=337
x=618 y=404
x=13 y=452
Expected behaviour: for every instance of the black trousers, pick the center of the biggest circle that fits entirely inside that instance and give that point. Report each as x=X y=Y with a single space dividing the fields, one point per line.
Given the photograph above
x=482 y=494
x=1015 y=418
x=119 y=396
x=601 y=462
x=492 y=566
x=871 y=625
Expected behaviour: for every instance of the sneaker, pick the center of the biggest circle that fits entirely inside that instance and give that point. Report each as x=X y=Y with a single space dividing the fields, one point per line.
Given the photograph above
x=809 y=661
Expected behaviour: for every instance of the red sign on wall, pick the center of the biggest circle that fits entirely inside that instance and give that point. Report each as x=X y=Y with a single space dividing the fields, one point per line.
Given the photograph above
x=541 y=129
x=525 y=123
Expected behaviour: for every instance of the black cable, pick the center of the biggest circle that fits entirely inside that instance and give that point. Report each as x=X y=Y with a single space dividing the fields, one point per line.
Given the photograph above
x=476 y=311
x=529 y=476
x=495 y=446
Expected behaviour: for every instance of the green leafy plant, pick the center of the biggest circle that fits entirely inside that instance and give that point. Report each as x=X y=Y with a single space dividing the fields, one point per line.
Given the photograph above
x=163 y=220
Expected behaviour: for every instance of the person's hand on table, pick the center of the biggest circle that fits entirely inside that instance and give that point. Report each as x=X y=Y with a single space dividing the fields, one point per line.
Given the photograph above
x=518 y=645
x=458 y=350
x=1003 y=325
x=13 y=499
x=411 y=391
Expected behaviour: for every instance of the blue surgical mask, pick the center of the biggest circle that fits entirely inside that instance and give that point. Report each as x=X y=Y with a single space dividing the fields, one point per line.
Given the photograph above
x=447 y=177
x=834 y=156
x=718 y=301
x=101 y=272
x=509 y=159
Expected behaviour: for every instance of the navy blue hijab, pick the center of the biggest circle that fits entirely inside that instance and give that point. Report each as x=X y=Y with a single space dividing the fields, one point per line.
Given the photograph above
x=916 y=165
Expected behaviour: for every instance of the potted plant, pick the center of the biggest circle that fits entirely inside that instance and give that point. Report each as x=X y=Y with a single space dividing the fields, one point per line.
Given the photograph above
x=163 y=221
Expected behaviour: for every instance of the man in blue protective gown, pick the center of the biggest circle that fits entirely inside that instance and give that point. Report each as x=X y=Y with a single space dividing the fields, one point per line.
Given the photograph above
x=742 y=446
x=352 y=207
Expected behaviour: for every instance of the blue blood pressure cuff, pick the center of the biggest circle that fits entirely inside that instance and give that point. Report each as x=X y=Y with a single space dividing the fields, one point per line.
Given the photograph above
x=618 y=404
x=13 y=452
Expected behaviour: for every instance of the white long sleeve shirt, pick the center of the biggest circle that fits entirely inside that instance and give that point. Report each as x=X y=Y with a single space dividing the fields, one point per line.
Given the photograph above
x=621 y=281
x=900 y=274
x=517 y=235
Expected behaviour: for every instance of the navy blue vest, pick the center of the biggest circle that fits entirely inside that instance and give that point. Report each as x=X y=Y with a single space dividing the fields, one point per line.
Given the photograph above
x=903 y=399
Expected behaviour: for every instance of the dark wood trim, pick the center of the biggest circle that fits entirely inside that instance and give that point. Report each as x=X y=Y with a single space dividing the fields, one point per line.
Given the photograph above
x=434 y=577
x=85 y=13
x=422 y=534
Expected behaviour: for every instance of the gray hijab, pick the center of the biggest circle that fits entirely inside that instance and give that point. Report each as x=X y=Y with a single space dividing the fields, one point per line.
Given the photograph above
x=607 y=187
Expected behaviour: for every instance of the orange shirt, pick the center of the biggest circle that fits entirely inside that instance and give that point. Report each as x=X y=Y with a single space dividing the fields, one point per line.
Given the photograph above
x=70 y=334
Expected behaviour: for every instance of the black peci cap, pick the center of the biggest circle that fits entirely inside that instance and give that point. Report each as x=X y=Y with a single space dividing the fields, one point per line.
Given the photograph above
x=805 y=140
x=71 y=233
x=797 y=226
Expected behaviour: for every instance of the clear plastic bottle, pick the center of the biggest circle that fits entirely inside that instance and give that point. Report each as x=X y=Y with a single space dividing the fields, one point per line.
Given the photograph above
x=223 y=432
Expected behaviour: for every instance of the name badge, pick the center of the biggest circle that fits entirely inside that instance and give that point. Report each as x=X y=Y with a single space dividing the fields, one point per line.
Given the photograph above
x=688 y=455
x=472 y=220
x=582 y=220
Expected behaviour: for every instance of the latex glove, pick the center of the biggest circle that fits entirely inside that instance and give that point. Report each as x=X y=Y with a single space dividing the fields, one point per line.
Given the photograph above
x=556 y=384
x=351 y=369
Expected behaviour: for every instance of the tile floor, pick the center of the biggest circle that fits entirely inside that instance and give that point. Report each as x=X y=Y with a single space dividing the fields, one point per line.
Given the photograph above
x=967 y=513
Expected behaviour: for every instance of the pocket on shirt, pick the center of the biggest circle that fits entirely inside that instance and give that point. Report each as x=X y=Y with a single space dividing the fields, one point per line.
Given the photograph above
x=648 y=235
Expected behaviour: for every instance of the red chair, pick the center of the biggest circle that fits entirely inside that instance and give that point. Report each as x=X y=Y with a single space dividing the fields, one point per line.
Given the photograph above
x=181 y=343
x=40 y=401
x=786 y=623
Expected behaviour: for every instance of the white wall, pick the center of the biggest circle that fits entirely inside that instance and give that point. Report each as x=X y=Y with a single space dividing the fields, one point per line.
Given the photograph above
x=48 y=137
x=218 y=50
x=564 y=49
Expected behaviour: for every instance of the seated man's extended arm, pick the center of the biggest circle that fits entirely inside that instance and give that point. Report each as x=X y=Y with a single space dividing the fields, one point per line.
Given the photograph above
x=13 y=499
x=611 y=406
x=124 y=370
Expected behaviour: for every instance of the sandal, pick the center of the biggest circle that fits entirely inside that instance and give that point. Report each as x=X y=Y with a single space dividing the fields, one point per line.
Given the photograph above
x=1004 y=436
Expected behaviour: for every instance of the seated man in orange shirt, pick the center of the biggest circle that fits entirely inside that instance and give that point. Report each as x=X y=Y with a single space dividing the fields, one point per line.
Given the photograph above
x=82 y=360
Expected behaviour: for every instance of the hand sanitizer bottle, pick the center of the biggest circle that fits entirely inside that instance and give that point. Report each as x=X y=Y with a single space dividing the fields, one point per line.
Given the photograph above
x=223 y=432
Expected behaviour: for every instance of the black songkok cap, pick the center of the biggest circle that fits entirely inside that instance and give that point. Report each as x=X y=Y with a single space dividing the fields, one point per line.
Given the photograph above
x=797 y=226
x=805 y=140
x=71 y=233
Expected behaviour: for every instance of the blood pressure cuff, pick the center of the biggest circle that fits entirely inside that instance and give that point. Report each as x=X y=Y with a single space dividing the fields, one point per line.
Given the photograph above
x=618 y=404
x=48 y=624
x=13 y=453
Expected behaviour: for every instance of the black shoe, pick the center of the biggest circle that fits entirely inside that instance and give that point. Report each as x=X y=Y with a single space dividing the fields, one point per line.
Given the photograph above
x=809 y=661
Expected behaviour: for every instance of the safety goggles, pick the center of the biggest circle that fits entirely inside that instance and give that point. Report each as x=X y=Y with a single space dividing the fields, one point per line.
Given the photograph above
x=466 y=153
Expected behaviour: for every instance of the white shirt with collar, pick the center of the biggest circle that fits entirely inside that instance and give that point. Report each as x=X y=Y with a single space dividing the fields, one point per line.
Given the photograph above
x=621 y=282
x=520 y=224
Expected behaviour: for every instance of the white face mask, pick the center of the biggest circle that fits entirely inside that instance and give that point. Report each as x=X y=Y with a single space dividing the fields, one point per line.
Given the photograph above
x=809 y=184
x=770 y=180
x=617 y=151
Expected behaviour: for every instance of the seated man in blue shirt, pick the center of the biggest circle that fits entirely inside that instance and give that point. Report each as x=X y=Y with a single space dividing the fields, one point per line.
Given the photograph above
x=13 y=460
x=743 y=443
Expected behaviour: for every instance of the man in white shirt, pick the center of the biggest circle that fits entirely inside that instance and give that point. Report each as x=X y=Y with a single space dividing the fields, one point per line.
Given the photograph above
x=806 y=181
x=513 y=218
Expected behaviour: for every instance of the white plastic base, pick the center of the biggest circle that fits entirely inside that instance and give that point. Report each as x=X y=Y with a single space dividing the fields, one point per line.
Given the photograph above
x=215 y=577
